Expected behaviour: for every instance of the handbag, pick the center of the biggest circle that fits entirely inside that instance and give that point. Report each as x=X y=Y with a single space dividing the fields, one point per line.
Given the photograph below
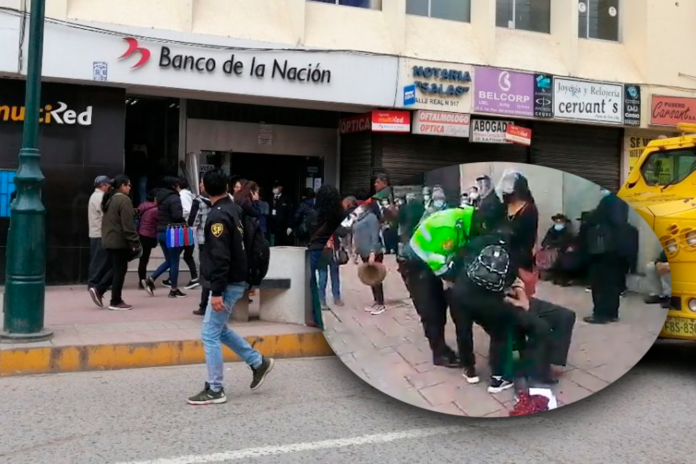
x=180 y=236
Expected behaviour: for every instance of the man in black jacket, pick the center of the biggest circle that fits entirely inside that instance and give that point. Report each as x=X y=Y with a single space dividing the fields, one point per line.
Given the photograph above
x=226 y=272
x=280 y=221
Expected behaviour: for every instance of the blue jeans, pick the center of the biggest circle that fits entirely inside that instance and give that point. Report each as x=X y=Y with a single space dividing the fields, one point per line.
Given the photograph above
x=171 y=261
x=215 y=333
x=331 y=267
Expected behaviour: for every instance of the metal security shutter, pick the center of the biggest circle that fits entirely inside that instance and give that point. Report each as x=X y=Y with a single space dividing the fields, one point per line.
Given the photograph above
x=404 y=156
x=593 y=153
x=356 y=163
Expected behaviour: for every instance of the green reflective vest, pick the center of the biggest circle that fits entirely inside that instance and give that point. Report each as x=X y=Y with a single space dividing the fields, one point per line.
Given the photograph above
x=440 y=236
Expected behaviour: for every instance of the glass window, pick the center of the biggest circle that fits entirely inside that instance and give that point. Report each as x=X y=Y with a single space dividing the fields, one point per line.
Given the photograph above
x=7 y=186
x=526 y=15
x=454 y=10
x=358 y=3
x=669 y=167
x=599 y=19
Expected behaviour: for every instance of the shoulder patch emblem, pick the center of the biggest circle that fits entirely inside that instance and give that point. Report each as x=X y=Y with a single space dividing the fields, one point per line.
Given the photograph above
x=217 y=229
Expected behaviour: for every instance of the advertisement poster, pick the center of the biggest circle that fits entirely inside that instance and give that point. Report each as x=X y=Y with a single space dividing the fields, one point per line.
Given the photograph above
x=632 y=106
x=504 y=92
x=588 y=101
x=442 y=124
x=543 y=96
x=391 y=121
x=670 y=111
x=518 y=135
x=425 y=85
x=489 y=131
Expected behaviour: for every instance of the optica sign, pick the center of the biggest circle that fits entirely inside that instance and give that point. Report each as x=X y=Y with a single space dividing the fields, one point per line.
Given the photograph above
x=376 y=121
x=441 y=124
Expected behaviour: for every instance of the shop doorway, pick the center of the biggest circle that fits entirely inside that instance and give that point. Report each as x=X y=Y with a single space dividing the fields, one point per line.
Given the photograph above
x=295 y=173
x=152 y=142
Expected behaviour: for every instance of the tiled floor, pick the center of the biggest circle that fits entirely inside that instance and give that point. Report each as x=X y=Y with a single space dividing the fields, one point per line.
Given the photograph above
x=390 y=352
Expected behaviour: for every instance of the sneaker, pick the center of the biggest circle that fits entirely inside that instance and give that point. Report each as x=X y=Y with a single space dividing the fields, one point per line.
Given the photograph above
x=378 y=309
x=623 y=294
x=595 y=320
x=653 y=299
x=339 y=302
x=470 y=375
x=194 y=283
x=149 y=285
x=141 y=285
x=207 y=396
x=122 y=306
x=97 y=297
x=261 y=372
x=199 y=312
x=369 y=309
x=450 y=361
x=177 y=294
x=167 y=283
x=323 y=306
x=499 y=384
x=588 y=289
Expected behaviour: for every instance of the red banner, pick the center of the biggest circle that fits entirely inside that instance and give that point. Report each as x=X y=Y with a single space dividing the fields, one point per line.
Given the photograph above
x=518 y=135
x=670 y=111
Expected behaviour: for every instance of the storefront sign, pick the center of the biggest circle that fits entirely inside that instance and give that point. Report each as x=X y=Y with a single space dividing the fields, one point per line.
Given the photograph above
x=634 y=144
x=220 y=65
x=439 y=123
x=49 y=114
x=670 y=111
x=504 y=92
x=489 y=131
x=353 y=124
x=632 y=105
x=428 y=86
x=543 y=96
x=391 y=121
x=518 y=135
x=588 y=101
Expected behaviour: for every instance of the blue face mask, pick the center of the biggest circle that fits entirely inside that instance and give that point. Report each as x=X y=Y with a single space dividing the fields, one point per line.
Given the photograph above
x=559 y=227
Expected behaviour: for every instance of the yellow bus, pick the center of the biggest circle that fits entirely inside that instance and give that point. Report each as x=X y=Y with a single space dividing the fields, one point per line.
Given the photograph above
x=662 y=189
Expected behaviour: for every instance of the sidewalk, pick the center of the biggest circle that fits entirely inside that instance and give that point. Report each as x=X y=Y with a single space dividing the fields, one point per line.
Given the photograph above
x=391 y=353
x=157 y=332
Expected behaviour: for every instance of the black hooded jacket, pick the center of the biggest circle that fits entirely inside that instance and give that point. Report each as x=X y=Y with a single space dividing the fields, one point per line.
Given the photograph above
x=169 y=209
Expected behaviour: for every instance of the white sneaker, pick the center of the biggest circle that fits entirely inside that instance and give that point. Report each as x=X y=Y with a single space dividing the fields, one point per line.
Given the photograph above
x=378 y=309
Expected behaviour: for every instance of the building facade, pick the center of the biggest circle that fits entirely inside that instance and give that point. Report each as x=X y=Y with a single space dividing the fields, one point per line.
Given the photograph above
x=310 y=92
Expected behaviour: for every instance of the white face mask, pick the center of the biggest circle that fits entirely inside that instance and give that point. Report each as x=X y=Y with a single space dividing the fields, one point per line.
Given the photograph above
x=474 y=195
x=426 y=197
x=439 y=203
x=276 y=191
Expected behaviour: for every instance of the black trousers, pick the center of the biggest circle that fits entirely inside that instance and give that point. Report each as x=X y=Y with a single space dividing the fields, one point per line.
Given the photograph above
x=205 y=287
x=607 y=279
x=148 y=245
x=430 y=301
x=190 y=262
x=97 y=262
x=118 y=263
x=561 y=321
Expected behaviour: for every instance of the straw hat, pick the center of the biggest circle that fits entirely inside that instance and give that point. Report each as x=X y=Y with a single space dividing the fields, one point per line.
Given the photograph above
x=372 y=274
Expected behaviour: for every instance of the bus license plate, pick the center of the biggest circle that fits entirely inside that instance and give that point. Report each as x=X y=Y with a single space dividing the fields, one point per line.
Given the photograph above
x=679 y=326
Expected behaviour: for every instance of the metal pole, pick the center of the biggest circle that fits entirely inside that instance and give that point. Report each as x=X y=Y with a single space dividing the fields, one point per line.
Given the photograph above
x=25 y=286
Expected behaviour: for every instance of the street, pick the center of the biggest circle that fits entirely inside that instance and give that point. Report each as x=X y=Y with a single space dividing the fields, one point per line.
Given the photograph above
x=317 y=411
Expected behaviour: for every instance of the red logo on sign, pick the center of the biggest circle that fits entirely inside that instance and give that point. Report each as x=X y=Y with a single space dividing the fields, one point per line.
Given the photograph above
x=134 y=48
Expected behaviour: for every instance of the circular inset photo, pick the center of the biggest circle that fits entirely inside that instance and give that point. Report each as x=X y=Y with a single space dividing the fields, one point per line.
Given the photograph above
x=493 y=289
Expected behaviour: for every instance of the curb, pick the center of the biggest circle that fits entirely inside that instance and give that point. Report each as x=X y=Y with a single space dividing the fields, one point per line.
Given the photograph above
x=53 y=360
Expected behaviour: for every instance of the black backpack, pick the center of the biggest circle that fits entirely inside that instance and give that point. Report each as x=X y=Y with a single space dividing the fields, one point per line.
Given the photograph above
x=309 y=222
x=488 y=264
x=258 y=251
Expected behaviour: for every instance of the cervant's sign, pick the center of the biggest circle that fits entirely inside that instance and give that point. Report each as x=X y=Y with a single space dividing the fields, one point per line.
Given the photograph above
x=49 y=114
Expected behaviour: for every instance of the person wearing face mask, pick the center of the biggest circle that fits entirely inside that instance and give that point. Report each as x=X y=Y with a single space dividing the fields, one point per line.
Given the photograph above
x=490 y=211
x=279 y=222
x=557 y=243
x=521 y=224
x=606 y=229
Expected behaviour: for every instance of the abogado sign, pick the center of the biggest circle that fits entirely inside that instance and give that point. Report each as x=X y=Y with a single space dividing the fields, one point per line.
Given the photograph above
x=442 y=124
x=588 y=101
x=489 y=131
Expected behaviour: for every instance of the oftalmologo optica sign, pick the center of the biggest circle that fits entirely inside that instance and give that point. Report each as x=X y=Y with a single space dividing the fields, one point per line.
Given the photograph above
x=441 y=124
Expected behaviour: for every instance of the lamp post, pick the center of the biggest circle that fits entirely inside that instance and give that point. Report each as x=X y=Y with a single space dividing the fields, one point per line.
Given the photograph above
x=25 y=286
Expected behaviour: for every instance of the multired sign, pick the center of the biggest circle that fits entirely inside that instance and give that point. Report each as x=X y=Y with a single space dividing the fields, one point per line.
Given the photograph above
x=670 y=111
x=442 y=124
x=391 y=121
x=360 y=123
x=518 y=135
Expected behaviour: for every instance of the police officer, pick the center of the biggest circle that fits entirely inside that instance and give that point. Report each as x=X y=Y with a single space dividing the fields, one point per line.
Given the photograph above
x=226 y=271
